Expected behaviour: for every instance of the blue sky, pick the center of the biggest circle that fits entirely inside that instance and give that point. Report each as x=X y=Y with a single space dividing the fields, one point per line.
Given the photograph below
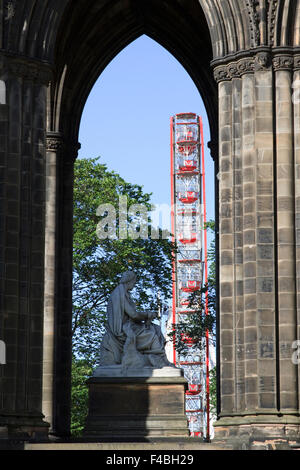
x=126 y=119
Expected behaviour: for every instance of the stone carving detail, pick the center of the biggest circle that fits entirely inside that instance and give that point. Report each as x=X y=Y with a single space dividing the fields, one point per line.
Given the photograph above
x=273 y=5
x=253 y=21
x=131 y=339
x=34 y=72
x=246 y=66
x=54 y=143
x=9 y=10
x=233 y=70
x=297 y=62
x=262 y=61
x=221 y=74
x=283 y=62
x=28 y=70
x=255 y=11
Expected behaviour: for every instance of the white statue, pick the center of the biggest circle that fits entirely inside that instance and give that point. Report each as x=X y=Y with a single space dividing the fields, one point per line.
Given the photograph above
x=131 y=339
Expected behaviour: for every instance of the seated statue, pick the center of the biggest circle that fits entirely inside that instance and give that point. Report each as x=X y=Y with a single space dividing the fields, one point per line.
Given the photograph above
x=131 y=339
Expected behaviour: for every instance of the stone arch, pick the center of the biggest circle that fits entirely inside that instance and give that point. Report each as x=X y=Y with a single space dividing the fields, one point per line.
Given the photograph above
x=83 y=49
x=284 y=20
x=51 y=53
x=172 y=25
x=32 y=30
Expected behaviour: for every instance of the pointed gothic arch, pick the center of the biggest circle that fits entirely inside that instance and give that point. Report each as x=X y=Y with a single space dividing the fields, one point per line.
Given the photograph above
x=243 y=56
x=78 y=66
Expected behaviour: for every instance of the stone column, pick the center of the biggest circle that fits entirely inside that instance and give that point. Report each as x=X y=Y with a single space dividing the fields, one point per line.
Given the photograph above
x=296 y=144
x=286 y=249
x=265 y=269
x=22 y=193
x=60 y=158
x=247 y=274
x=226 y=245
x=63 y=290
x=54 y=144
x=237 y=218
x=213 y=146
x=259 y=383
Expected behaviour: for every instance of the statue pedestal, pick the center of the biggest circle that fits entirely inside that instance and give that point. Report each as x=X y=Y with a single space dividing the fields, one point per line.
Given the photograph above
x=137 y=407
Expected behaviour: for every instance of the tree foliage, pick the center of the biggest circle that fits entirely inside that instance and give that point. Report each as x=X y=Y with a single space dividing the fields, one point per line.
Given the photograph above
x=213 y=391
x=81 y=370
x=98 y=263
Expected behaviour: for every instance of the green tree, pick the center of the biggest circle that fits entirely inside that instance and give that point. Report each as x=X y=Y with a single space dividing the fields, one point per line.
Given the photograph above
x=81 y=370
x=213 y=391
x=98 y=264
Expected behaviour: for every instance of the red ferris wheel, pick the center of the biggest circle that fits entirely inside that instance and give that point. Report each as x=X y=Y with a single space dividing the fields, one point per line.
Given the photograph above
x=188 y=219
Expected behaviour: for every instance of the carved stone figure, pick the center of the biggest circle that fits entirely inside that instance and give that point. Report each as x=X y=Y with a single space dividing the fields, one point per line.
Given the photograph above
x=131 y=339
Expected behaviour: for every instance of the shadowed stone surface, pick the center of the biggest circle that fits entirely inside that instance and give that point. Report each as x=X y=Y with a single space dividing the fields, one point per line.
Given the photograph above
x=167 y=444
x=130 y=408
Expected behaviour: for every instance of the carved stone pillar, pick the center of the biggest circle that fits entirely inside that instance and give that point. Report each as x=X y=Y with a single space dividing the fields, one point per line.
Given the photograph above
x=296 y=184
x=285 y=235
x=22 y=227
x=63 y=290
x=259 y=384
x=54 y=147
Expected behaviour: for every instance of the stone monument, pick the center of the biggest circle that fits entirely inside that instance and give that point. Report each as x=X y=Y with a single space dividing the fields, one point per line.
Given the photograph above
x=135 y=392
